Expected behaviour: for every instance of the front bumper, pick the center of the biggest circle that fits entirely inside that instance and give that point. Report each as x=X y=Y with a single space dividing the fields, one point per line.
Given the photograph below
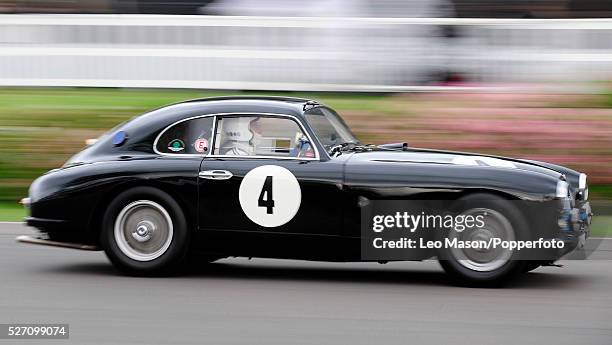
x=44 y=224
x=575 y=226
x=46 y=242
x=53 y=233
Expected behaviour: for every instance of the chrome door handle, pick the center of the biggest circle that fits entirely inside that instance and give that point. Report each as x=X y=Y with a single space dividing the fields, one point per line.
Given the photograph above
x=215 y=174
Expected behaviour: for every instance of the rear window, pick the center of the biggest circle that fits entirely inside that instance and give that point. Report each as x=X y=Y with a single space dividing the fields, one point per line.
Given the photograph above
x=187 y=137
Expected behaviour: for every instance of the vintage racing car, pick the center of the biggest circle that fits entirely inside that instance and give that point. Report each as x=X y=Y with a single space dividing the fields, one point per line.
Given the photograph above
x=281 y=177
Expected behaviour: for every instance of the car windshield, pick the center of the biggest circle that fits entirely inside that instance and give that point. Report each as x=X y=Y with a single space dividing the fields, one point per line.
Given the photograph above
x=329 y=127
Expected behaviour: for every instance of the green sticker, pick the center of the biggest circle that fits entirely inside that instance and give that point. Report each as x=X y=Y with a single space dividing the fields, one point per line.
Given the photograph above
x=176 y=145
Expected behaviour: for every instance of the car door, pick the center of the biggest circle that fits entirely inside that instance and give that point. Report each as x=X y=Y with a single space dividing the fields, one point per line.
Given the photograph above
x=264 y=177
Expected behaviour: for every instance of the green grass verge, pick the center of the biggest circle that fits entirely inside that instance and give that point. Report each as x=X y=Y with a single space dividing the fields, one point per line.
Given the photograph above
x=602 y=226
x=600 y=192
x=11 y=212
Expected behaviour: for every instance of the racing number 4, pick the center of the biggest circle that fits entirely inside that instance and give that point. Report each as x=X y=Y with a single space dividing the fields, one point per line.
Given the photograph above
x=265 y=197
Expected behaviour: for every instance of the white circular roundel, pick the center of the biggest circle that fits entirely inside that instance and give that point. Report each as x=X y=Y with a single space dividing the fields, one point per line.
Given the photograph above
x=270 y=195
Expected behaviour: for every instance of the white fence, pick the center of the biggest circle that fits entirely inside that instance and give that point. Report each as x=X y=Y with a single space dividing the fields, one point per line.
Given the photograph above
x=273 y=53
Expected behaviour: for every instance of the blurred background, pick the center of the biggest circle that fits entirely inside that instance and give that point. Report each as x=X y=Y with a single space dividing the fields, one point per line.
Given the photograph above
x=530 y=79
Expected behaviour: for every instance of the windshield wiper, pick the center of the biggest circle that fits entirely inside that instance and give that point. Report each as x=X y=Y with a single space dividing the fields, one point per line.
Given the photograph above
x=350 y=146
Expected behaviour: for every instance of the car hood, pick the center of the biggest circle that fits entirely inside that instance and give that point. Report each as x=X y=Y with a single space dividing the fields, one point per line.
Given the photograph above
x=432 y=156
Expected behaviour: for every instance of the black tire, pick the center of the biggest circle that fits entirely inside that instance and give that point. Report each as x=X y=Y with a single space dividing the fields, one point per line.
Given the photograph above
x=497 y=276
x=174 y=247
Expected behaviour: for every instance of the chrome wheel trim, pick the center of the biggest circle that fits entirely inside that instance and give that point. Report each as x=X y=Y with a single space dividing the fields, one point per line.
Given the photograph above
x=488 y=260
x=143 y=230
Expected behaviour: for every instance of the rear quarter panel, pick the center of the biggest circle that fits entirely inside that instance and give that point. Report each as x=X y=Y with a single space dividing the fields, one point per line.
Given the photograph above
x=78 y=196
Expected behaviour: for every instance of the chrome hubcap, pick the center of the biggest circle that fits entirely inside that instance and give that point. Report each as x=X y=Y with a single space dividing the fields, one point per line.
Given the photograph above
x=143 y=230
x=480 y=258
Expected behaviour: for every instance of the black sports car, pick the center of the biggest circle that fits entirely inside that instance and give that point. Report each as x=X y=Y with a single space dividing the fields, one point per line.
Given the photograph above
x=286 y=178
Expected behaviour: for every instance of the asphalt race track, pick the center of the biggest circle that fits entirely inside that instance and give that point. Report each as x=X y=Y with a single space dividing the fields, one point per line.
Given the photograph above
x=237 y=301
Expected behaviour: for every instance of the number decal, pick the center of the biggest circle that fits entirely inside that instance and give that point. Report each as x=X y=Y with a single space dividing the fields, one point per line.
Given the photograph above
x=266 y=191
x=270 y=195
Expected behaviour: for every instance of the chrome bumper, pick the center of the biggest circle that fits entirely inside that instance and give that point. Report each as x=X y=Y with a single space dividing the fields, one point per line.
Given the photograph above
x=44 y=242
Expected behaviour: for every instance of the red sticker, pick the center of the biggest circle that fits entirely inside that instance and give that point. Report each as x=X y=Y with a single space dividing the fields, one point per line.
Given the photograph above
x=201 y=145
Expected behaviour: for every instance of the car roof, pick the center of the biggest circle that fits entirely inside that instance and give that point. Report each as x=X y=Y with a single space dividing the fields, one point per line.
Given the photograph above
x=144 y=128
x=164 y=116
x=247 y=98
x=246 y=104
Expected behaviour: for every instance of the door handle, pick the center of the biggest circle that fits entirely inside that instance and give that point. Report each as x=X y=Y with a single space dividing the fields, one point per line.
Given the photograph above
x=215 y=174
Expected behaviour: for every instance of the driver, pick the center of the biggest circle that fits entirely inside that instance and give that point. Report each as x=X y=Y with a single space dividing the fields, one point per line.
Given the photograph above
x=241 y=136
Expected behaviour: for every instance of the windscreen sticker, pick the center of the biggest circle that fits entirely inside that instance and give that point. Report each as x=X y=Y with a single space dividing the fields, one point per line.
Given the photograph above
x=201 y=145
x=176 y=145
x=119 y=138
x=270 y=195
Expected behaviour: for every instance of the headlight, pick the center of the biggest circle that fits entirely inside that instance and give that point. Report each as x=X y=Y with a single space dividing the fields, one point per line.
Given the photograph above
x=582 y=181
x=582 y=187
x=562 y=189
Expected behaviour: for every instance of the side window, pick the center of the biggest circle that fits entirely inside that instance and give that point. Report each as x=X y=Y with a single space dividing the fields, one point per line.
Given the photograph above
x=260 y=136
x=187 y=137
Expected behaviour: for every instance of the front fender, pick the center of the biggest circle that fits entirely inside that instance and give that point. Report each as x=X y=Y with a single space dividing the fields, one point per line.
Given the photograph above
x=402 y=179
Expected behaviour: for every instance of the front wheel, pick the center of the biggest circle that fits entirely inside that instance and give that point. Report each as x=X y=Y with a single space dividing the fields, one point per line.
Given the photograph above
x=144 y=232
x=480 y=266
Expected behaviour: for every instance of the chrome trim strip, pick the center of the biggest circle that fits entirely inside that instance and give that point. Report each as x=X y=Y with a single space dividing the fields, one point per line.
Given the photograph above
x=265 y=157
x=44 y=242
x=213 y=139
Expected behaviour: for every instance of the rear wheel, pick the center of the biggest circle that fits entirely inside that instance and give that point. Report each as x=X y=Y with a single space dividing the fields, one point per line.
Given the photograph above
x=144 y=232
x=480 y=266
